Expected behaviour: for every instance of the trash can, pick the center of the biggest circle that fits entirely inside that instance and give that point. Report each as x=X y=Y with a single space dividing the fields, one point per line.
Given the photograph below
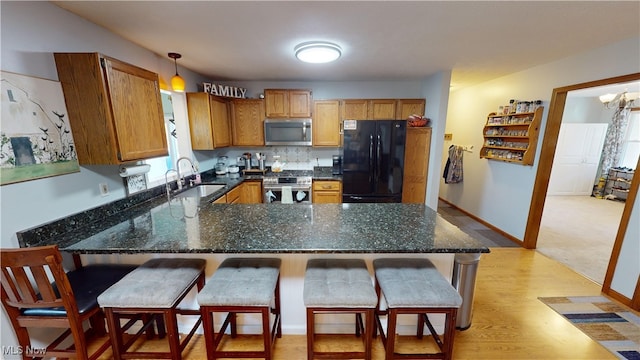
x=465 y=268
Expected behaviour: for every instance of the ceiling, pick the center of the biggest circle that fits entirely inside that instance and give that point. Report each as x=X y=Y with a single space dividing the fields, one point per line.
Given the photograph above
x=381 y=40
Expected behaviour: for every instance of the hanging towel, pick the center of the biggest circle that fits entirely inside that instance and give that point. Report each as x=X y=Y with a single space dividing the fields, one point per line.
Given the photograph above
x=453 y=168
x=287 y=196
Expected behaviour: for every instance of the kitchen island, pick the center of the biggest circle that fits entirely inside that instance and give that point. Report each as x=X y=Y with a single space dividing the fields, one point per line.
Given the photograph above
x=192 y=226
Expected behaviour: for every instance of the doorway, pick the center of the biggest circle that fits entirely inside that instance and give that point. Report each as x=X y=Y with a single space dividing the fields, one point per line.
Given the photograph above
x=578 y=226
x=548 y=149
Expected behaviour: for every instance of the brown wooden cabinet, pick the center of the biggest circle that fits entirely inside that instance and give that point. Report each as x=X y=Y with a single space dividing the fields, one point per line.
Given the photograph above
x=327 y=192
x=512 y=137
x=382 y=109
x=251 y=192
x=326 y=123
x=287 y=103
x=247 y=122
x=416 y=165
x=115 y=109
x=208 y=121
x=406 y=107
x=234 y=195
x=354 y=109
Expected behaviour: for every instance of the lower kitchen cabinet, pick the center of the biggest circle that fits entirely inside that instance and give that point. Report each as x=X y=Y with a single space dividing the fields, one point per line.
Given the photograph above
x=234 y=195
x=327 y=192
x=251 y=192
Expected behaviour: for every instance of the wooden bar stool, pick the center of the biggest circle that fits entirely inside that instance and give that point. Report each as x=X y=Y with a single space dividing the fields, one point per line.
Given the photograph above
x=32 y=299
x=242 y=285
x=340 y=286
x=152 y=293
x=414 y=286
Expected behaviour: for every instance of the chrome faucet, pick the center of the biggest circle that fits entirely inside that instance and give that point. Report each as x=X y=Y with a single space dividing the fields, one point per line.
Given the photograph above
x=181 y=181
x=166 y=183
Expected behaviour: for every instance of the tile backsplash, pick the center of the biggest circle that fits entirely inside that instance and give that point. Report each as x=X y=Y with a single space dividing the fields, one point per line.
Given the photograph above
x=294 y=157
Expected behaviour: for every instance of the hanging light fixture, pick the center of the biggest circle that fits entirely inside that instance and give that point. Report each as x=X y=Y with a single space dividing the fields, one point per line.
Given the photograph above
x=318 y=52
x=622 y=100
x=177 y=82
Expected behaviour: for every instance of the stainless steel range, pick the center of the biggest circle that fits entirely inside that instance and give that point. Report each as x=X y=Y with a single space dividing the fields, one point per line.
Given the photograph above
x=288 y=187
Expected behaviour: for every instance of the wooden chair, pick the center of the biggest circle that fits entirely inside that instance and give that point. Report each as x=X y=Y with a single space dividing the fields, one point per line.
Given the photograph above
x=32 y=299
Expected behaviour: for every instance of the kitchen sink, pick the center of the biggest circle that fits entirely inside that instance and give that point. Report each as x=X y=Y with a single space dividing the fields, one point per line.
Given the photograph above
x=201 y=190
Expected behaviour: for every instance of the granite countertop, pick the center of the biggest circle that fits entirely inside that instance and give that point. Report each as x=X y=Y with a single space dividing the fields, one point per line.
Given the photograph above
x=190 y=223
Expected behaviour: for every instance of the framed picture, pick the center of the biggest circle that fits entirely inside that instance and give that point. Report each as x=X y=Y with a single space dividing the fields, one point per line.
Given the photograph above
x=36 y=139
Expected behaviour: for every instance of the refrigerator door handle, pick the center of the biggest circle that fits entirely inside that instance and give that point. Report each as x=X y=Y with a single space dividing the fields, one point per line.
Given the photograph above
x=378 y=158
x=371 y=168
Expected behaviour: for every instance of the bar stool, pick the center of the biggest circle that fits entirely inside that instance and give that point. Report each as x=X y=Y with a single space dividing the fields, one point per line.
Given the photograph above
x=242 y=285
x=414 y=286
x=151 y=293
x=339 y=286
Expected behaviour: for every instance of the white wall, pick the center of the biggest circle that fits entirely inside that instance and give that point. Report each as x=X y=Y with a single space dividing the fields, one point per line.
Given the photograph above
x=497 y=192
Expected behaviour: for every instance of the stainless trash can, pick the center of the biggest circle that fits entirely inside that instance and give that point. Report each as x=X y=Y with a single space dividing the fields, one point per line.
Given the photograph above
x=465 y=268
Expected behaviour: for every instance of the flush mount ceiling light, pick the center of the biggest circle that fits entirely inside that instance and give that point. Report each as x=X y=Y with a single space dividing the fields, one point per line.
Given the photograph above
x=318 y=52
x=177 y=82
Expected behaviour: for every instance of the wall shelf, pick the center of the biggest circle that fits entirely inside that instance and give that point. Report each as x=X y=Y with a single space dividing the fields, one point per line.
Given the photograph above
x=511 y=137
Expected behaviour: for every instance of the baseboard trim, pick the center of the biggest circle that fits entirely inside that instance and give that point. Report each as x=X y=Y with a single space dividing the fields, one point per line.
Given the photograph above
x=490 y=226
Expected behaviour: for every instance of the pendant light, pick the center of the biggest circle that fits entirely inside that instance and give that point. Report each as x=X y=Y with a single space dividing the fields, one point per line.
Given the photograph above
x=177 y=82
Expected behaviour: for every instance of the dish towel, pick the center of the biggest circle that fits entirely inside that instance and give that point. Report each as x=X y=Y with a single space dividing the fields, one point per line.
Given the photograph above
x=287 y=196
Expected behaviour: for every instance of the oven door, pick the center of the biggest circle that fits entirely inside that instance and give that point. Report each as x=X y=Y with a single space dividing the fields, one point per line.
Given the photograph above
x=300 y=194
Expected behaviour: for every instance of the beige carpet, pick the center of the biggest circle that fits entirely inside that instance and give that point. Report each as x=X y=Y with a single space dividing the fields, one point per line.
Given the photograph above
x=579 y=231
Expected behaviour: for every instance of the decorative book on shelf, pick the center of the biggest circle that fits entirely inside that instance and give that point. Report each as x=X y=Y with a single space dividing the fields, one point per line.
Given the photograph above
x=511 y=137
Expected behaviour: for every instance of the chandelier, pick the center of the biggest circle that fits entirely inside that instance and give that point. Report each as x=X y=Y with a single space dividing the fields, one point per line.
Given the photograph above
x=623 y=100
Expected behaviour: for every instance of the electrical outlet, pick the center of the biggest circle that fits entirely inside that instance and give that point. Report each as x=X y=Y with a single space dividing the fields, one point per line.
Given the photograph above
x=448 y=137
x=104 y=189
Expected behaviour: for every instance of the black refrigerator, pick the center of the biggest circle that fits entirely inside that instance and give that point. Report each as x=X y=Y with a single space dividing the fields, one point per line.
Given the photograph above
x=373 y=160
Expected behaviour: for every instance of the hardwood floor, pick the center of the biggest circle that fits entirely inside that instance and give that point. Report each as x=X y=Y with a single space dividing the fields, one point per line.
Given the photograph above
x=509 y=322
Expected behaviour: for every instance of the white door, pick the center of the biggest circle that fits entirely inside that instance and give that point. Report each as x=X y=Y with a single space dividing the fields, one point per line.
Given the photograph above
x=575 y=164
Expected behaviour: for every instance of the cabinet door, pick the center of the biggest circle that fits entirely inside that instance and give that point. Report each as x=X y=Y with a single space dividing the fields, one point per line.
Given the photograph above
x=416 y=165
x=115 y=110
x=326 y=123
x=234 y=195
x=251 y=192
x=299 y=103
x=221 y=200
x=220 y=120
x=137 y=111
x=382 y=109
x=354 y=109
x=276 y=103
x=406 y=107
x=247 y=122
x=200 y=125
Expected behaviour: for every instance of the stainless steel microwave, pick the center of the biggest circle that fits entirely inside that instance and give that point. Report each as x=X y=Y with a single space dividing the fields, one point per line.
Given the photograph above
x=287 y=132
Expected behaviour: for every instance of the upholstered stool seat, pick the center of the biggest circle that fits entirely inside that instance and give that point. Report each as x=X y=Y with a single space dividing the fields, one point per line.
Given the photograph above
x=414 y=286
x=154 y=290
x=242 y=285
x=339 y=286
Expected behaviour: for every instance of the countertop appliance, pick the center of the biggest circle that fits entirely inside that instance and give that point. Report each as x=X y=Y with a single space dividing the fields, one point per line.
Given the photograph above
x=373 y=160
x=287 y=132
x=289 y=188
x=337 y=165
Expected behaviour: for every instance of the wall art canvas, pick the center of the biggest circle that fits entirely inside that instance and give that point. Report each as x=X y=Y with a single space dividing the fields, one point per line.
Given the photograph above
x=36 y=139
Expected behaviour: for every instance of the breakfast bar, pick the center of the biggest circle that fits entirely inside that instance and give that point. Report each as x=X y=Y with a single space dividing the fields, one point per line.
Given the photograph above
x=190 y=225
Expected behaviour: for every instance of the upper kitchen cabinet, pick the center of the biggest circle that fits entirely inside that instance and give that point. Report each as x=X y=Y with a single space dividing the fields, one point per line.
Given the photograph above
x=247 y=122
x=406 y=107
x=287 y=103
x=326 y=123
x=354 y=109
x=208 y=121
x=115 y=110
x=382 y=109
